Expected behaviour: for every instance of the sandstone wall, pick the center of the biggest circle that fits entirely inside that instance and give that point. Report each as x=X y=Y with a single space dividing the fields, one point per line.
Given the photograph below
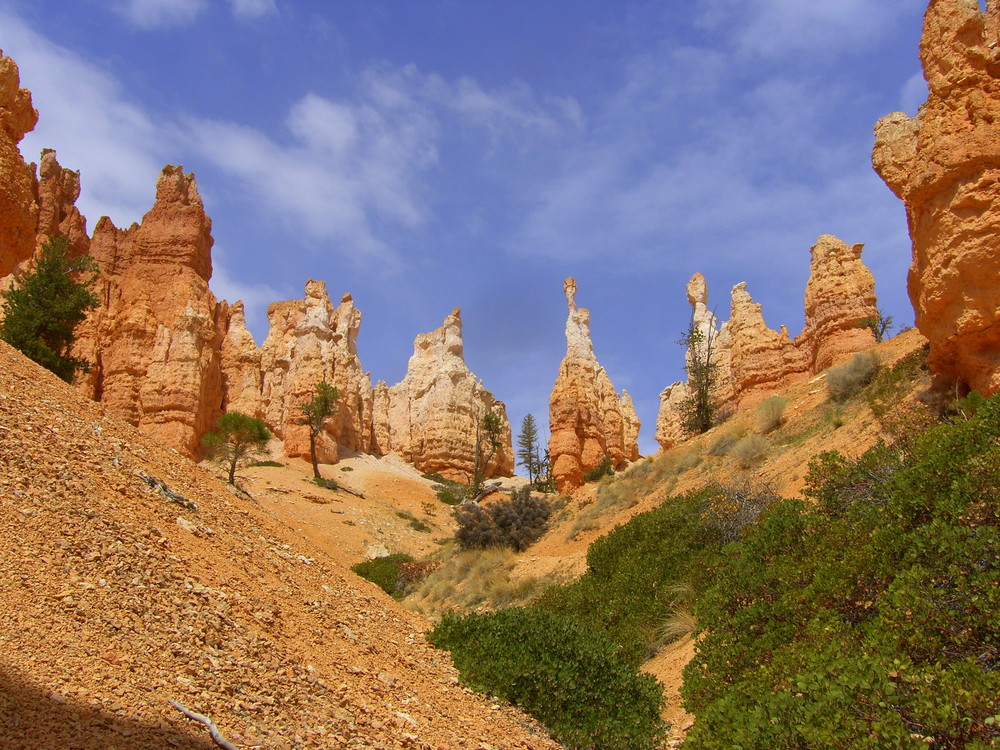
x=432 y=416
x=587 y=418
x=945 y=166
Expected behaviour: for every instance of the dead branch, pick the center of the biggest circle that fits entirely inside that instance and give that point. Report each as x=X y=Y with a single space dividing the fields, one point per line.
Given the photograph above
x=212 y=729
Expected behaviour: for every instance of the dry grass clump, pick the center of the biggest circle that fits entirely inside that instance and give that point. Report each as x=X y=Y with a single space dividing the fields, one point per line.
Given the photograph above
x=847 y=380
x=750 y=450
x=476 y=579
x=769 y=414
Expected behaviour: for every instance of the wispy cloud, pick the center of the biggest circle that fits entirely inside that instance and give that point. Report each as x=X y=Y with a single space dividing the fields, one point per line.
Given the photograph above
x=153 y=14
x=255 y=297
x=87 y=118
x=251 y=9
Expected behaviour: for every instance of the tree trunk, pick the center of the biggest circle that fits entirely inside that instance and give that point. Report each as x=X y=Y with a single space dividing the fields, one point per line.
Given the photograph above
x=312 y=454
x=232 y=471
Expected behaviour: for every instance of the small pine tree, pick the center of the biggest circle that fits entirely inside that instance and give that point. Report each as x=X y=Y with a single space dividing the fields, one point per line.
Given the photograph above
x=490 y=428
x=699 y=407
x=527 y=447
x=315 y=413
x=44 y=306
x=879 y=325
x=236 y=440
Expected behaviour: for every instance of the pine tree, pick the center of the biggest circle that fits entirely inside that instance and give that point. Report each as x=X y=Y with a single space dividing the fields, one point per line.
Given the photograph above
x=43 y=307
x=699 y=407
x=315 y=413
x=527 y=447
x=237 y=439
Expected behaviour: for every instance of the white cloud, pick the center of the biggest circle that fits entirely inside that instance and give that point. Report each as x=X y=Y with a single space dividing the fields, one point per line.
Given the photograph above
x=153 y=14
x=252 y=8
x=773 y=28
x=84 y=115
x=255 y=297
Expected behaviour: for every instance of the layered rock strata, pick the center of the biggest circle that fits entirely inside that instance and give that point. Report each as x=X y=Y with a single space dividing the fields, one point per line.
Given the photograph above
x=432 y=418
x=587 y=418
x=753 y=361
x=18 y=210
x=945 y=166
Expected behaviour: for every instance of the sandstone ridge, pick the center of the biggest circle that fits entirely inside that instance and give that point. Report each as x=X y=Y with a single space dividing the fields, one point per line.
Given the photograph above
x=945 y=166
x=753 y=361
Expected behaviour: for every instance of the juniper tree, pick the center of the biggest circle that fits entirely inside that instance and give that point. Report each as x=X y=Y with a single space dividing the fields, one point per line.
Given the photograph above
x=43 y=307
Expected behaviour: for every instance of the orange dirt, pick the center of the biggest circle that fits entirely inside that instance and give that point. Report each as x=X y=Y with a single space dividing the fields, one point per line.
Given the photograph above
x=118 y=595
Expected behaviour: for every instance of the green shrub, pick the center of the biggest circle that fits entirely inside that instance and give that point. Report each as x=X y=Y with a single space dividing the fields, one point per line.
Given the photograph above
x=604 y=469
x=384 y=572
x=415 y=523
x=750 y=450
x=274 y=464
x=847 y=380
x=566 y=675
x=867 y=619
x=769 y=414
x=516 y=522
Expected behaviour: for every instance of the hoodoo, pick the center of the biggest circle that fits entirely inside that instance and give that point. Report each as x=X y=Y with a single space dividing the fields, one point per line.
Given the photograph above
x=945 y=166
x=588 y=420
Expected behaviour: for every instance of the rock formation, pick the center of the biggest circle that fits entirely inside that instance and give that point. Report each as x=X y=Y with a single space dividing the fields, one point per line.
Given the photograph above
x=587 y=419
x=242 y=377
x=431 y=417
x=752 y=361
x=18 y=211
x=56 y=192
x=308 y=342
x=945 y=166
x=153 y=343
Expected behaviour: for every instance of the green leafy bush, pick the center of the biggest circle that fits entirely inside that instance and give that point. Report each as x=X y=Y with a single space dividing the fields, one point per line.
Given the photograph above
x=604 y=469
x=384 y=572
x=847 y=380
x=865 y=620
x=567 y=675
x=516 y=522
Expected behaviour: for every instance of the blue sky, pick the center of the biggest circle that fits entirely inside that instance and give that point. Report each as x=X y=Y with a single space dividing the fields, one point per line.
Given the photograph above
x=474 y=153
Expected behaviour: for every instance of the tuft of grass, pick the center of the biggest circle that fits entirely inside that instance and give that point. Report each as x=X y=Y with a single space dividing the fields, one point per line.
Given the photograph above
x=415 y=523
x=276 y=464
x=848 y=379
x=347 y=468
x=750 y=450
x=679 y=623
x=769 y=414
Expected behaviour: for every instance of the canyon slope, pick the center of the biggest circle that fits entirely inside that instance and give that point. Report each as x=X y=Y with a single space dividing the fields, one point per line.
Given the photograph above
x=945 y=166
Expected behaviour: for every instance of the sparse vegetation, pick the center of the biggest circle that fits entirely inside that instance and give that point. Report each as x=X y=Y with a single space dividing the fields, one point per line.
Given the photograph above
x=769 y=414
x=415 y=523
x=43 y=307
x=269 y=463
x=879 y=325
x=236 y=440
x=846 y=380
x=515 y=522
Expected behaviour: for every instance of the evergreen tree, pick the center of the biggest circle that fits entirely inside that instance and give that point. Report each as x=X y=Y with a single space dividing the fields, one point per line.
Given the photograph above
x=237 y=439
x=699 y=407
x=315 y=413
x=43 y=307
x=489 y=427
x=527 y=447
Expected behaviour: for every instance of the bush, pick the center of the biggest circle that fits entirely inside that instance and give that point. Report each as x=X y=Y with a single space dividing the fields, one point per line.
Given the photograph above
x=516 y=522
x=384 y=572
x=750 y=450
x=868 y=618
x=847 y=380
x=566 y=675
x=769 y=414
x=734 y=507
x=604 y=469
